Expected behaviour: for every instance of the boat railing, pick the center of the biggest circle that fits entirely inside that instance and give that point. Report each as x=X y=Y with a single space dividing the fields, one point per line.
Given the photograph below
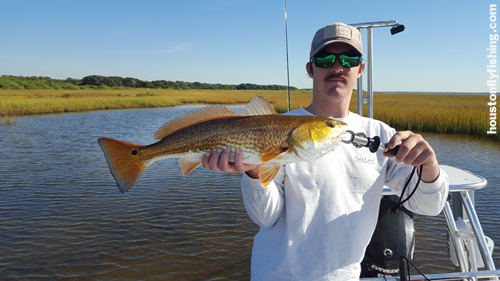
x=478 y=275
x=470 y=249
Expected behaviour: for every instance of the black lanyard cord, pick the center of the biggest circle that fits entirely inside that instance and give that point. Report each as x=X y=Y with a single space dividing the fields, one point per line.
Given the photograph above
x=404 y=273
x=400 y=202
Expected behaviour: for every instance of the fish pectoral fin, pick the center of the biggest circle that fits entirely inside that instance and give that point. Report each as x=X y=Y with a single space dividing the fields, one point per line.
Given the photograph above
x=188 y=164
x=267 y=173
x=271 y=155
x=258 y=106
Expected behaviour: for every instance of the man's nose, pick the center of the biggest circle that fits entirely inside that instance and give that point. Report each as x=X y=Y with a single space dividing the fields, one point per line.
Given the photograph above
x=336 y=67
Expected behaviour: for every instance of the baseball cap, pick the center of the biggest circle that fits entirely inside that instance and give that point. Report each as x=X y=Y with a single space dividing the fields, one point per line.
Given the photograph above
x=334 y=33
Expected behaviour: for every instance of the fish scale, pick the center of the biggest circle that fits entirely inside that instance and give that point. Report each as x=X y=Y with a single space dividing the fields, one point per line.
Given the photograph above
x=248 y=134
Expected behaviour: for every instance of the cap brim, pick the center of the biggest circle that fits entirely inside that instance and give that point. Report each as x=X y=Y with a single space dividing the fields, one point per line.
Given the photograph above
x=331 y=42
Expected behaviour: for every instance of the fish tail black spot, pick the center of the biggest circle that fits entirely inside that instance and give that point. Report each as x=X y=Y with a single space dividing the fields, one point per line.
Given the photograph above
x=134 y=152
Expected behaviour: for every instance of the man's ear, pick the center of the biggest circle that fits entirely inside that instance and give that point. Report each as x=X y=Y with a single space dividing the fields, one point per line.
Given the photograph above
x=361 y=68
x=309 y=69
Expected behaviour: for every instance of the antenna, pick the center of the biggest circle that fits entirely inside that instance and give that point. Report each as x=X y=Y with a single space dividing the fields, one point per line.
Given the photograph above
x=287 y=65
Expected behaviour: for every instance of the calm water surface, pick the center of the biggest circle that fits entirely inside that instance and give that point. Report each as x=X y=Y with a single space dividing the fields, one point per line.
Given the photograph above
x=63 y=217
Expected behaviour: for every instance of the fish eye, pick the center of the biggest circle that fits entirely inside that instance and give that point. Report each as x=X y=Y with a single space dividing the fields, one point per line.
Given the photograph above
x=330 y=124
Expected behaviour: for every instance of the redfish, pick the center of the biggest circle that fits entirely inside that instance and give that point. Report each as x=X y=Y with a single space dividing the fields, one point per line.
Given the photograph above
x=262 y=136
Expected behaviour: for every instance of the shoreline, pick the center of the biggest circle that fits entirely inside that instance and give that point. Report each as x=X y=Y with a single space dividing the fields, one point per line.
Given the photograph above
x=441 y=113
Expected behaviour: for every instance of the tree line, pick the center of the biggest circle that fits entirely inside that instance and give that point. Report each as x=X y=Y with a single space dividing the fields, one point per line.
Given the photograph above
x=104 y=82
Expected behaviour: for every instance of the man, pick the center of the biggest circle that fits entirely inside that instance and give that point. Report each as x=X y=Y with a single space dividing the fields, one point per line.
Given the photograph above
x=317 y=218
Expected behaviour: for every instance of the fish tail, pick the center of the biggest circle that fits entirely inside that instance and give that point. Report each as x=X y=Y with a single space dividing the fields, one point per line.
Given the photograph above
x=124 y=162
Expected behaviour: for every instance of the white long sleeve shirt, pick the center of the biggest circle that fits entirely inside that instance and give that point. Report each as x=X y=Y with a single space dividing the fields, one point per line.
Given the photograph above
x=318 y=217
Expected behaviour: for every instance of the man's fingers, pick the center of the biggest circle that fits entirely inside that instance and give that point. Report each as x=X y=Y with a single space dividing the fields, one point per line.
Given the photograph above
x=415 y=151
x=397 y=138
x=410 y=147
x=224 y=160
x=422 y=158
x=405 y=149
x=213 y=164
x=238 y=161
x=205 y=160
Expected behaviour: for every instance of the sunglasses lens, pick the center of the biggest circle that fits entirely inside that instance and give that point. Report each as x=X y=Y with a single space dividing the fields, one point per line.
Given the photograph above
x=327 y=61
x=349 y=61
x=346 y=60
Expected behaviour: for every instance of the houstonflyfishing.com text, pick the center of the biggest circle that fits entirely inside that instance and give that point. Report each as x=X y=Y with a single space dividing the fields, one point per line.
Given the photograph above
x=492 y=70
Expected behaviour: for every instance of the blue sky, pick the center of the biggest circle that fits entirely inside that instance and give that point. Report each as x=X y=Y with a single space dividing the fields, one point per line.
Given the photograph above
x=443 y=48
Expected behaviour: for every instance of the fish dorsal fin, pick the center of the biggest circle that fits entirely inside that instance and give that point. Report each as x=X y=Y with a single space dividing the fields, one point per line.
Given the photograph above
x=203 y=114
x=258 y=106
x=267 y=173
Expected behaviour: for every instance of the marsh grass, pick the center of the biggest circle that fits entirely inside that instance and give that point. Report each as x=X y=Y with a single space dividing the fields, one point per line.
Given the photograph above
x=8 y=121
x=24 y=102
x=459 y=114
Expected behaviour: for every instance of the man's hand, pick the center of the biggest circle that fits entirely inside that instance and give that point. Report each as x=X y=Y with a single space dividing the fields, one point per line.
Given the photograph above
x=415 y=151
x=219 y=161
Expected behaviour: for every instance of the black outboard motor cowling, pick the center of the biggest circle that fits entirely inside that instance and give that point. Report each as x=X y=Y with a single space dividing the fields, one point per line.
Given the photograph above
x=393 y=237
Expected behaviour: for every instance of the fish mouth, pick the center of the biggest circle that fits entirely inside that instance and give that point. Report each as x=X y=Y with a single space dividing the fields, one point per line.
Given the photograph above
x=342 y=133
x=342 y=136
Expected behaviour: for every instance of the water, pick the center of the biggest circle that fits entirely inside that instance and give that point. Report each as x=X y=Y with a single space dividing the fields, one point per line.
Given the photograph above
x=62 y=216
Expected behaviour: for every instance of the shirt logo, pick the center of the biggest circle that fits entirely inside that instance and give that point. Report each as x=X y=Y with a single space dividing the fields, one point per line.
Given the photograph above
x=364 y=159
